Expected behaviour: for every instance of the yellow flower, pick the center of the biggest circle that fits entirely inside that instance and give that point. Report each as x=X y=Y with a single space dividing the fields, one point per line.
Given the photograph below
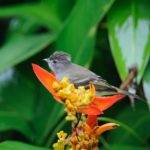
x=60 y=145
x=85 y=137
x=72 y=97
x=61 y=135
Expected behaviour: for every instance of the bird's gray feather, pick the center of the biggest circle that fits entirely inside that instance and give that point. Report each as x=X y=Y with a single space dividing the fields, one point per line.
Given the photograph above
x=62 y=66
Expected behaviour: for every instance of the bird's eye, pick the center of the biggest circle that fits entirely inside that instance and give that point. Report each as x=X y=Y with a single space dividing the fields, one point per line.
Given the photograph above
x=54 y=61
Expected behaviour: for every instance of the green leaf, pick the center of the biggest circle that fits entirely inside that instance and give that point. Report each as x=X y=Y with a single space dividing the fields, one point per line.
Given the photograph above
x=20 y=47
x=87 y=45
x=17 y=100
x=17 y=93
x=135 y=122
x=126 y=147
x=13 y=121
x=60 y=7
x=22 y=25
x=129 y=35
x=38 y=12
x=58 y=128
x=14 y=145
x=80 y=26
x=146 y=84
x=124 y=126
x=48 y=114
x=29 y=103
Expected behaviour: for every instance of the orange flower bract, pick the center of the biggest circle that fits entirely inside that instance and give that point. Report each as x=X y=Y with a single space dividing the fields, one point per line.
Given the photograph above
x=96 y=107
x=86 y=134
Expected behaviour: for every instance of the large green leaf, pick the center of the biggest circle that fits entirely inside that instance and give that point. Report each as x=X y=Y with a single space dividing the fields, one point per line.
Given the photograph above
x=13 y=121
x=38 y=12
x=129 y=34
x=17 y=100
x=60 y=7
x=80 y=26
x=29 y=101
x=20 y=47
x=146 y=84
x=14 y=145
x=126 y=147
x=22 y=25
x=17 y=93
x=132 y=126
x=86 y=51
x=48 y=113
x=26 y=104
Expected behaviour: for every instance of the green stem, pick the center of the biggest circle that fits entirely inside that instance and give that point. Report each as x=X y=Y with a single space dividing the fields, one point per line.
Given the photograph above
x=50 y=140
x=105 y=144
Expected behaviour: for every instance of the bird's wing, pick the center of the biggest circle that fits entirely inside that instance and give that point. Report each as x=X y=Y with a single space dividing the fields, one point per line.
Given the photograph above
x=103 y=88
x=81 y=75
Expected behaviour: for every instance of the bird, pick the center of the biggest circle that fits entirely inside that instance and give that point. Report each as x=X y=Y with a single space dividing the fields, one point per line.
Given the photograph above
x=60 y=63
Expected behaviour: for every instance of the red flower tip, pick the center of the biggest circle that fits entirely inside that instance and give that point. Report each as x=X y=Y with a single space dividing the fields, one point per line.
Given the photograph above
x=46 y=79
x=105 y=102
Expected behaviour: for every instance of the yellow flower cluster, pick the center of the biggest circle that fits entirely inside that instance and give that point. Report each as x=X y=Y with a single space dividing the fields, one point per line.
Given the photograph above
x=73 y=97
x=60 y=145
x=84 y=138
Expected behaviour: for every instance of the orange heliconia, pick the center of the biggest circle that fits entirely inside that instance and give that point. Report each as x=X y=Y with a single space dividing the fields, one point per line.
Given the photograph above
x=97 y=105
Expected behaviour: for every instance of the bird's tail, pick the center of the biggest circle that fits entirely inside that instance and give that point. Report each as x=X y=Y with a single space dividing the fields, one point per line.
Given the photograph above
x=124 y=92
x=105 y=89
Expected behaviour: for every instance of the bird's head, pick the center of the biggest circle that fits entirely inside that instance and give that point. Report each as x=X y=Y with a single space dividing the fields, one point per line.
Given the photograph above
x=58 y=61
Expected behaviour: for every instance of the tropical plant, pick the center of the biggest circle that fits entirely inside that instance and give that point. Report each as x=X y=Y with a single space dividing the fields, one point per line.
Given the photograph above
x=110 y=37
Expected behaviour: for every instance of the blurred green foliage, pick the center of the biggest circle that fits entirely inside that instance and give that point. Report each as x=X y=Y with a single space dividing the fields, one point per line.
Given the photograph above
x=108 y=36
